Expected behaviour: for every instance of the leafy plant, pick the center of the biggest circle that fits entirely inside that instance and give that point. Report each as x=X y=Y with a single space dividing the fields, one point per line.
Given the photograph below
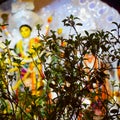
x=66 y=75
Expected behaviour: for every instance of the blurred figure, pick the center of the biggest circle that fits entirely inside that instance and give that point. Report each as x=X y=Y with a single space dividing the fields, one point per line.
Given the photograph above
x=31 y=75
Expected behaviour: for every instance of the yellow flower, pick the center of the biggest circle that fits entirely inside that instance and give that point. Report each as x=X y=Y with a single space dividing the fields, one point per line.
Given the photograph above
x=23 y=62
x=64 y=44
x=13 y=70
x=15 y=64
x=59 y=31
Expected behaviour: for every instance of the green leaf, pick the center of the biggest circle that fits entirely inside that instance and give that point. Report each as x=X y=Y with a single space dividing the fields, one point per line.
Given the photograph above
x=86 y=32
x=80 y=24
x=38 y=26
x=7 y=42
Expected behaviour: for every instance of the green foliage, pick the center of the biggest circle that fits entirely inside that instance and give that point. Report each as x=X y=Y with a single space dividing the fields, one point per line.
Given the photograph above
x=65 y=74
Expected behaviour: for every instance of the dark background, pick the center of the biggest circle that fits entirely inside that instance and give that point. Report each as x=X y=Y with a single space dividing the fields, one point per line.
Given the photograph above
x=113 y=3
x=1 y=1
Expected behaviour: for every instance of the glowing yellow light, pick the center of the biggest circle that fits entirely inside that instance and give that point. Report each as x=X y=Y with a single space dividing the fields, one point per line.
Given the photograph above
x=59 y=31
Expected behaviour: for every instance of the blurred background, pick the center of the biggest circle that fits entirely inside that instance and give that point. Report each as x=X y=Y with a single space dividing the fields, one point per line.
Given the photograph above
x=6 y=4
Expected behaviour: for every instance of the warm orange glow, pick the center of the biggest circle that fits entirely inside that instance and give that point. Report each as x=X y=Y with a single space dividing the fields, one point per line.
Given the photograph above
x=50 y=19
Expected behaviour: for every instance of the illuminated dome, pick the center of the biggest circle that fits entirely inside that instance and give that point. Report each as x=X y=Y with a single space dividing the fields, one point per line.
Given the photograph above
x=93 y=14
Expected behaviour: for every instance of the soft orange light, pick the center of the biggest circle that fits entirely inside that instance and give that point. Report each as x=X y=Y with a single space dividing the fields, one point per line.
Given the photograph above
x=64 y=44
x=50 y=19
x=3 y=27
